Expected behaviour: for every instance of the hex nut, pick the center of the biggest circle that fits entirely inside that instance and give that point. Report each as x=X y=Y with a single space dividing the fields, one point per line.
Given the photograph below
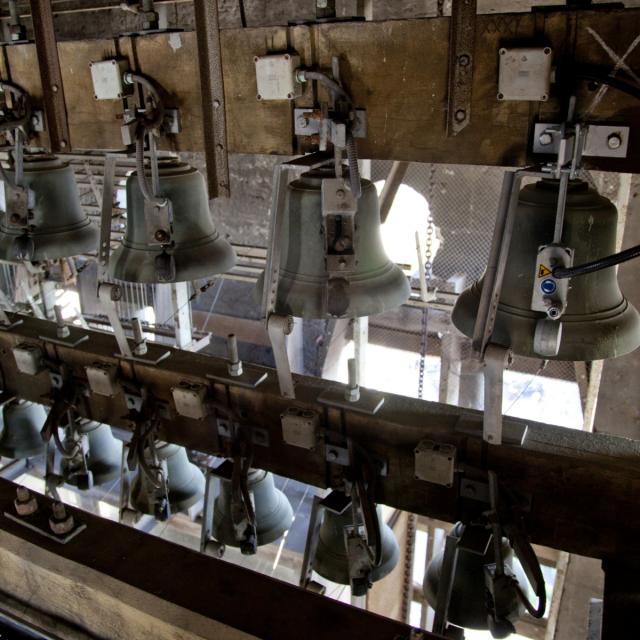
x=25 y=502
x=59 y=521
x=235 y=368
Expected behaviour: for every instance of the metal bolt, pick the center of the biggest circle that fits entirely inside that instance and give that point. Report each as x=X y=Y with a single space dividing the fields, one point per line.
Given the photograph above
x=161 y=235
x=62 y=330
x=545 y=138
x=60 y=522
x=460 y=115
x=332 y=455
x=140 y=341
x=352 y=393
x=54 y=88
x=235 y=364
x=63 y=144
x=25 y=503
x=303 y=122
x=216 y=104
x=614 y=141
x=340 y=194
x=464 y=60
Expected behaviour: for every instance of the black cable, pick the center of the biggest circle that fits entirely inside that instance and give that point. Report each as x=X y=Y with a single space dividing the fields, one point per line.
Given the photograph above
x=592 y=74
x=596 y=265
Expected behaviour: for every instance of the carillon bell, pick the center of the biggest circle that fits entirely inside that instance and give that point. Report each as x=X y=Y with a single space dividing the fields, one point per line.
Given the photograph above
x=272 y=510
x=97 y=463
x=50 y=223
x=22 y=422
x=599 y=322
x=332 y=261
x=468 y=606
x=185 y=482
x=331 y=561
x=175 y=243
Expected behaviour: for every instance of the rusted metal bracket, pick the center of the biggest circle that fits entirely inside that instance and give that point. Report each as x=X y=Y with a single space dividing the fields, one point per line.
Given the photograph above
x=462 y=38
x=212 y=89
x=50 y=75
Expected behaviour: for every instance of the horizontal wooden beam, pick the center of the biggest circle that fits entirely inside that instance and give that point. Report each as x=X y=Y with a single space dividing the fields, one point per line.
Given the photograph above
x=574 y=486
x=115 y=581
x=395 y=70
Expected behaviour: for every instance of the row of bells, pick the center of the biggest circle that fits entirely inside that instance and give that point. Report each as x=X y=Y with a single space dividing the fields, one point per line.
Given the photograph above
x=599 y=322
x=20 y=438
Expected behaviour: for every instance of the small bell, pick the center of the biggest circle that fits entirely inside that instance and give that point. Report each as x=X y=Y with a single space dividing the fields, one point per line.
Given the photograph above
x=468 y=606
x=99 y=463
x=272 y=510
x=599 y=322
x=182 y=244
x=333 y=266
x=184 y=480
x=55 y=226
x=331 y=561
x=22 y=422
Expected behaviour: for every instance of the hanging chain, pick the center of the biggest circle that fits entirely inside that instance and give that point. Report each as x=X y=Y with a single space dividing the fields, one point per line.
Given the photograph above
x=428 y=272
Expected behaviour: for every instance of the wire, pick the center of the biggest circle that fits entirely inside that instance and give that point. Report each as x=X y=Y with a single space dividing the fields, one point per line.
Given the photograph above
x=328 y=83
x=140 y=170
x=596 y=265
x=592 y=74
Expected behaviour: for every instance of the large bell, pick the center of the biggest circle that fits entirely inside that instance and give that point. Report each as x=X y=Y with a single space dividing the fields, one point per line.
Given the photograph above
x=599 y=322
x=103 y=455
x=191 y=247
x=185 y=482
x=331 y=560
x=468 y=604
x=374 y=284
x=22 y=422
x=56 y=226
x=272 y=509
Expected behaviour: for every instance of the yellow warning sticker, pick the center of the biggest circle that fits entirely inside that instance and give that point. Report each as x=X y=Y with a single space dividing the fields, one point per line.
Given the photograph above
x=543 y=271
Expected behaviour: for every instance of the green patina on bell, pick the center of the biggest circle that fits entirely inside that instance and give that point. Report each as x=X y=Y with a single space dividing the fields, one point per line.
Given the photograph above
x=599 y=322
x=468 y=603
x=331 y=560
x=305 y=289
x=185 y=482
x=103 y=456
x=56 y=226
x=194 y=248
x=22 y=423
x=273 y=511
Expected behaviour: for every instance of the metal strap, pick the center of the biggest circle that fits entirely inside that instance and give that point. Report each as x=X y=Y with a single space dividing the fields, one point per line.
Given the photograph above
x=104 y=250
x=279 y=327
x=496 y=359
x=108 y=293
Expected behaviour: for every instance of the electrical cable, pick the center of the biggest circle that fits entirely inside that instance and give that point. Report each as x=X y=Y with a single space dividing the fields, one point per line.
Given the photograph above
x=140 y=170
x=592 y=74
x=596 y=265
x=328 y=83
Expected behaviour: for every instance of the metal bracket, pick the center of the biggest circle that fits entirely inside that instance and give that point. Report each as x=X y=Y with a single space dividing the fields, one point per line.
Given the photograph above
x=158 y=219
x=208 y=544
x=601 y=140
x=39 y=522
x=7 y=324
x=497 y=358
x=550 y=294
x=227 y=429
x=340 y=455
x=106 y=215
x=278 y=328
x=369 y=401
x=513 y=433
x=461 y=47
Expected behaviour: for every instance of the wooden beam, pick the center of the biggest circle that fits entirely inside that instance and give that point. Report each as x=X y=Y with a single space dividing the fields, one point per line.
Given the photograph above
x=396 y=70
x=574 y=486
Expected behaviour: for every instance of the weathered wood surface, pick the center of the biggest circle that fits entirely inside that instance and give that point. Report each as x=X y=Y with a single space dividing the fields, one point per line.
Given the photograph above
x=397 y=70
x=120 y=583
x=577 y=486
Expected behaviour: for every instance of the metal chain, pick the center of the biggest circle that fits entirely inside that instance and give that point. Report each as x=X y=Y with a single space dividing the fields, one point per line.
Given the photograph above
x=407 y=587
x=428 y=272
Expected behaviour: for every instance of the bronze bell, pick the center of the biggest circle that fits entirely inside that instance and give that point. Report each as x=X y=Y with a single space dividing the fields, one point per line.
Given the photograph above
x=331 y=560
x=22 y=422
x=185 y=481
x=97 y=463
x=312 y=253
x=599 y=322
x=55 y=225
x=273 y=511
x=182 y=243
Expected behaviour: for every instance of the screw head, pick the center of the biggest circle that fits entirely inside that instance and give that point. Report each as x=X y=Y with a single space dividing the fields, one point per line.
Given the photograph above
x=614 y=141
x=332 y=455
x=161 y=235
x=460 y=115
x=54 y=88
x=464 y=60
x=545 y=138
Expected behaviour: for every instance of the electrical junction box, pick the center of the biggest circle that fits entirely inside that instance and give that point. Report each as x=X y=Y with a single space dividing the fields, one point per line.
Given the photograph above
x=28 y=358
x=435 y=462
x=107 y=79
x=276 y=77
x=300 y=428
x=525 y=74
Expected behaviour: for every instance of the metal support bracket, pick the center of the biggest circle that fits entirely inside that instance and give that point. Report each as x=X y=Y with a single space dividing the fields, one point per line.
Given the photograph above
x=369 y=401
x=106 y=215
x=461 y=50
x=278 y=328
x=497 y=358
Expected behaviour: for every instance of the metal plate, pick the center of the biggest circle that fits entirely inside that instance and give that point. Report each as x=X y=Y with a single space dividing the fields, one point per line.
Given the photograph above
x=369 y=403
x=251 y=377
x=76 y=336
x=39 y=520
x=525 y=74
x=513 y=433
x=597 y=145
x=154 y=355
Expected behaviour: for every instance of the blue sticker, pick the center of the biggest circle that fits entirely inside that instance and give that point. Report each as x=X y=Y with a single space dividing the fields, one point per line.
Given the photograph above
x=548 y=286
